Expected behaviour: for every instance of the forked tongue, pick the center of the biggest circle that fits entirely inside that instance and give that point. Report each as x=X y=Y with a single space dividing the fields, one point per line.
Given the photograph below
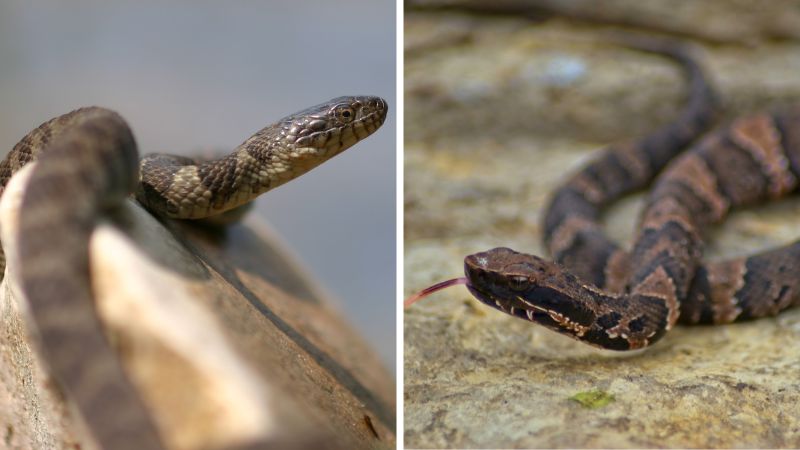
x=430 y=290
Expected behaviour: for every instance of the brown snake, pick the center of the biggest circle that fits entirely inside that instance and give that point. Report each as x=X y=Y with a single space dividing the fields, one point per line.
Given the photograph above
x=87 y=163
x=603 y=296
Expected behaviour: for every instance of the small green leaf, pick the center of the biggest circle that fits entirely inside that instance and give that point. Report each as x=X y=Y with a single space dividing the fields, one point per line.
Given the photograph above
x=593 y=399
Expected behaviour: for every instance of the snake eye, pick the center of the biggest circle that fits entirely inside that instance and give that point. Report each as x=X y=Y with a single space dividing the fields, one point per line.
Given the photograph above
x=518 y=282
x=345 y=113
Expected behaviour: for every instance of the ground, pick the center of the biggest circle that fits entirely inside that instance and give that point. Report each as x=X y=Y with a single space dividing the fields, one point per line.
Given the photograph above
x=498 y=110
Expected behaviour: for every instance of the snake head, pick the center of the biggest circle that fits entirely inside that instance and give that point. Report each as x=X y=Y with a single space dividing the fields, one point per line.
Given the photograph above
x=327 y=129
x=530 y=288
x=499 y=276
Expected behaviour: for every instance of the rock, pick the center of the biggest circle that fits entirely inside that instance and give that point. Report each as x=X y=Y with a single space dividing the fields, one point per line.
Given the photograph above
x=227 y=339
x=496 y=116
x=718 y=21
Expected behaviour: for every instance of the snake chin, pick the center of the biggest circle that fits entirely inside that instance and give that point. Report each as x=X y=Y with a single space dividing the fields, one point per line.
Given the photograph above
x=522 y=285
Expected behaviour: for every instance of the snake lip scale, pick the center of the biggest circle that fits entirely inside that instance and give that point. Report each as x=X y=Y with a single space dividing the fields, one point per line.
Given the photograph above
x=86 y=163
x=601 y=295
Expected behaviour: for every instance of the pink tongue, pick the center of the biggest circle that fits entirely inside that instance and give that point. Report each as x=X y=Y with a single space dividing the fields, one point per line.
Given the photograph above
x=430 y=290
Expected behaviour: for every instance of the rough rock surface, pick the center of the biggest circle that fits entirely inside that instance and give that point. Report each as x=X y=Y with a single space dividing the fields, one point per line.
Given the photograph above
x=227 y=339
x=718 y=21
x=498 y=110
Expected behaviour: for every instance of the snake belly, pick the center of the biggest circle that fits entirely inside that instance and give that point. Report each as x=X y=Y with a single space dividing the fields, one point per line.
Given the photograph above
x=87 y=162
x=604 y=296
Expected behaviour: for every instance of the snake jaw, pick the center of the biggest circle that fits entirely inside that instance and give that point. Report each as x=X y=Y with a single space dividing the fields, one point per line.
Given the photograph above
x=326 y=126
x=521 y=285
x=488 y=274
x=310 y=137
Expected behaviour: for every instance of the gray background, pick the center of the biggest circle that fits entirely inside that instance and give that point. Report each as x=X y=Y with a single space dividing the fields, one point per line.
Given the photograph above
x=201 y=74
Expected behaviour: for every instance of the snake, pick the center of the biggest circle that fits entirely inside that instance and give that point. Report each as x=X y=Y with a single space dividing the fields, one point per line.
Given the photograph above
x=87 y=164
x=596 y=292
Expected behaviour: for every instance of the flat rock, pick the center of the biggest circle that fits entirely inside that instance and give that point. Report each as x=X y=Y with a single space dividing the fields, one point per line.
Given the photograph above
x=498 y=112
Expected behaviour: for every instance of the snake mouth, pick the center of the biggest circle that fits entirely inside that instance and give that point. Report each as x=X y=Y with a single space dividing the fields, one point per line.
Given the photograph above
x=369 y=110
x=513 y=307
x=381 y=109
x=521 y=309
x=482 y=296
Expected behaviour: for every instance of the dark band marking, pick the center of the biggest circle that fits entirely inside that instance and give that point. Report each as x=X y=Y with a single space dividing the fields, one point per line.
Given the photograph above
x=786 y=125
x=635 y=162
x=565 y=236
x=757 y=135
x=739 y=176
x=566 y=203
x=693 y=172
x=660 y=285
x=587 y=256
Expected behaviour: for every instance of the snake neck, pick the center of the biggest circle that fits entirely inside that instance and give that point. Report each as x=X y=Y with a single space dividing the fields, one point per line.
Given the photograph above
x=183 y=188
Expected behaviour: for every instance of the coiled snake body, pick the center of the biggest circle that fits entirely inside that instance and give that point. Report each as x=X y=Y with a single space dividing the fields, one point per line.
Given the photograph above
x=87 y=161
x=603 y=296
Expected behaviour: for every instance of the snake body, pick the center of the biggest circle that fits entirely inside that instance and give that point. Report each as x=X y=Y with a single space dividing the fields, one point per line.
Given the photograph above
x=87 y=162
x=662 y=280
x=606 y=297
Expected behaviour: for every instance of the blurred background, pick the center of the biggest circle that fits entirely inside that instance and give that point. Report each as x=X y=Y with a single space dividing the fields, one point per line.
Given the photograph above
x=191 y=75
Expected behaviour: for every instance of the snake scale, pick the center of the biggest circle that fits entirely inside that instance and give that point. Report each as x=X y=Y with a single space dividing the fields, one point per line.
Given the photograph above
x=86 y=163
x=604 y=296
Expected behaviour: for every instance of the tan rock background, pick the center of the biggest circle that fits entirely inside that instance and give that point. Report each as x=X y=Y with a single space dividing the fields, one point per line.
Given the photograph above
x=497 y=111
